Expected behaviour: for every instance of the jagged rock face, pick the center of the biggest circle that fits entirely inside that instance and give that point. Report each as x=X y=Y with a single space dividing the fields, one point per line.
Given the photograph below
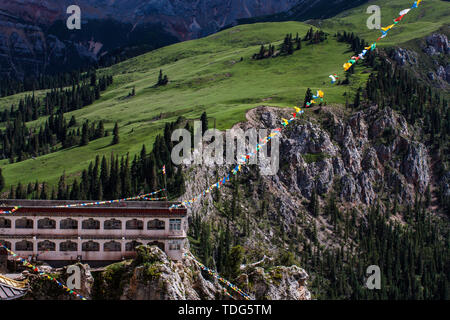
x=359 y=158
x=363 y=146
x=437 y=43
x=278 y=283
x=152 y=276
x=403 y=56
x=43 y=289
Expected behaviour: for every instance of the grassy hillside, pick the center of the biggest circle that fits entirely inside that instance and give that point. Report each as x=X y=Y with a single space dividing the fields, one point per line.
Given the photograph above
x=429 y=17
x=208 y=75
x=205 y=75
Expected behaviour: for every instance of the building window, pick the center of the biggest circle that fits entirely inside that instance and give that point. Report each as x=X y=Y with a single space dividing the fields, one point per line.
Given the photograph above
x=156 y=225
x=175 y=245
x=5 y=223
x=175 y=224
x=68 y=246
x=24 y=245
x=68 y=224
x=24 y=223
x=112 y=224
x=158 y=244
x=91 y=224
x=90 y=246
x=6 y=244
x=112 y=246
x=46 y=224
x=131 y=246
x=46 y=246
x=135 y=224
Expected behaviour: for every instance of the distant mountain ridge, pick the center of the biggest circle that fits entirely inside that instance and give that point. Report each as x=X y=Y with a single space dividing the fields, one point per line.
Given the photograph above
x=34 y=39
x=308 y=9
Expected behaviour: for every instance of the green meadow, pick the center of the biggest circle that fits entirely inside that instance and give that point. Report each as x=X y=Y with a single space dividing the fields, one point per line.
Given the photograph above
x=214 y=74
x=430 y=16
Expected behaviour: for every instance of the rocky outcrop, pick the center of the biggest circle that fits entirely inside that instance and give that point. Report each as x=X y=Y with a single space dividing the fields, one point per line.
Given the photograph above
x=152 y=276
x=404 y=56
x=359 y=159
x=436 y=44
x=277 y=283
x=44 y=289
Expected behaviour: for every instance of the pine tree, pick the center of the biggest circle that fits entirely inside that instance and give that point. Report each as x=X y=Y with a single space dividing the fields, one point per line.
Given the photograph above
x=2 y=180
x=357 y=101
x=234 y=261
x=62 y=187
x=44 y=191
x=84 y=134
x=204 y=120
x=308 y=97
x=115 y=139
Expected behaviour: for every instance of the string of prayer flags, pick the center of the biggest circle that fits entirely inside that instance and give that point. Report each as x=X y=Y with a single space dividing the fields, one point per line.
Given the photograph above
x=218 y=277
x=416 y=3
x=319 y=95
x=26 y=263
x=334 y=78
x=244 y=159
x=146 y=196
x=10 y=211
x=404 y=12
x=154 y=199
x=109 y=201
x=384 y=32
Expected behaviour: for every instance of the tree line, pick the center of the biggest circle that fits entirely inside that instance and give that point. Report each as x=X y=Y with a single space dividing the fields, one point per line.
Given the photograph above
x=10 y=86
x=18 y=142
x=290 y=45
x=60 y=99
x=117 y=177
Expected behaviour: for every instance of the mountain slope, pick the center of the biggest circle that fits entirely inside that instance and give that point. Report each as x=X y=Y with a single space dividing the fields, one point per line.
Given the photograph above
x=208 y=75
x=429 y=17
x=205 y=75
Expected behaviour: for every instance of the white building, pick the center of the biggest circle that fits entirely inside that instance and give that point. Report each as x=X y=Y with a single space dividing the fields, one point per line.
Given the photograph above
x=110 y=232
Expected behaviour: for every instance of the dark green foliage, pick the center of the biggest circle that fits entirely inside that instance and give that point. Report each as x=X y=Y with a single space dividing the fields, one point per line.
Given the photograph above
x=204 y=120
x=20 y=143
x=2 y=180
x=115 y=139
x=162 y=79
x=308 y=97
x=290 y=45
x=120 y=178
x=414 y=260
x=234 y=261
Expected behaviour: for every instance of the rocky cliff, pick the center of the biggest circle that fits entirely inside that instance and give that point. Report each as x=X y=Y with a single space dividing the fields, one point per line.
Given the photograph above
x=361 y=158
x=427 y=58
x=152 y=276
